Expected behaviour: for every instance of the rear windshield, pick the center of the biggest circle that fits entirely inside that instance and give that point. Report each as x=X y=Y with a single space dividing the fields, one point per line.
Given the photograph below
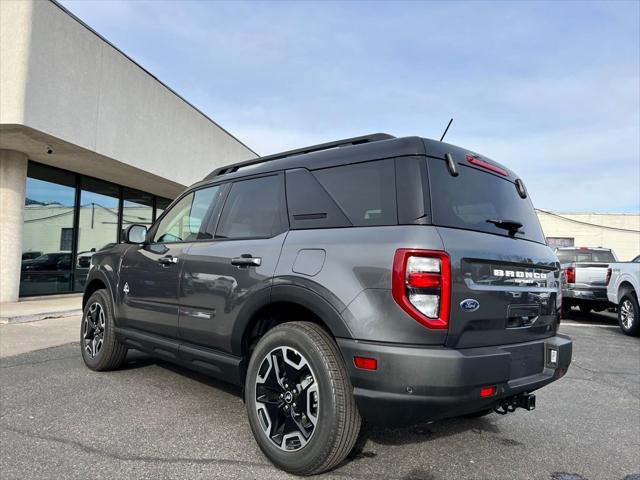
x=473 y=197
x=585 y=255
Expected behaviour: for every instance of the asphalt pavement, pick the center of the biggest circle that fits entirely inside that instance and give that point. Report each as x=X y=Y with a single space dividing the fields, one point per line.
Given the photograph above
x=154 y=420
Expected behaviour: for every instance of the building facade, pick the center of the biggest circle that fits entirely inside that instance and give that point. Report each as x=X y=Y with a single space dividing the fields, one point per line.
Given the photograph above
x=90 y=142
x=618 y=231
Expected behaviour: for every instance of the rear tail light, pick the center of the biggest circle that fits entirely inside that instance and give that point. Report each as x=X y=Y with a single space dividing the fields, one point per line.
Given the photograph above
x=570 y=274
x=365 y=363
x=488 y=391
x=421 y=285
x=486 y=165
x=608 y=276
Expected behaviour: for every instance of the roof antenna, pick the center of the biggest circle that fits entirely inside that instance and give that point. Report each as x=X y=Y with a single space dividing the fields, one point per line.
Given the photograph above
x=446 y=129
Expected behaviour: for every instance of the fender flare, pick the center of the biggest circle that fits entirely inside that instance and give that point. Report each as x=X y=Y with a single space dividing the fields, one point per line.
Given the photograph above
x=297 y=295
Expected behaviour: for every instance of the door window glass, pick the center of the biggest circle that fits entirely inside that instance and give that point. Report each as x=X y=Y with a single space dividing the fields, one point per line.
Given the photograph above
x=252 y=209
x=186 y=221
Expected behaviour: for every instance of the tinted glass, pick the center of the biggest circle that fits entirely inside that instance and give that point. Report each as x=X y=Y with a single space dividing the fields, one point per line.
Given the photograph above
x=309 y=204
x=473 y=197
x=98 y=223
x=365 y=192
x=137 y=208
x=585 y=255
x=252 y=209
x=186 y=219
x=48 y=231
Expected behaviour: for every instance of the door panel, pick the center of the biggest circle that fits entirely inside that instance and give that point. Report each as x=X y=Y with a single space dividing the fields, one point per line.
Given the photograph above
x=213 y=290
x=149 y=288
x=222 y=277
x=150 y=273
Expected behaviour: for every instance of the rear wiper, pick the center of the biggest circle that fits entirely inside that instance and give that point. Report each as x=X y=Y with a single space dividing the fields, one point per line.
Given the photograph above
x=511 y=226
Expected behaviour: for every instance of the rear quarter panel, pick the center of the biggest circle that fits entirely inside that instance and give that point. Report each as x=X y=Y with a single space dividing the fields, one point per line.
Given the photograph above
x=354 y=276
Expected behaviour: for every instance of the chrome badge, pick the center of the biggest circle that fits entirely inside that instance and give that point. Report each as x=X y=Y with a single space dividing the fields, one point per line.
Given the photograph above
x=126 y=288
x=470 y=305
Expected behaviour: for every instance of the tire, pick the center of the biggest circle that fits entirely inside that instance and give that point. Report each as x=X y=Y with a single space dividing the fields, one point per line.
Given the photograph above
x=100 y=349
x=290 y=353
x=566 y=310
x=629 y=314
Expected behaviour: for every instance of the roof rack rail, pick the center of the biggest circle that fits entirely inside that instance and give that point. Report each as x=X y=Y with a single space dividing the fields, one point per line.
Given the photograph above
x=375 y=137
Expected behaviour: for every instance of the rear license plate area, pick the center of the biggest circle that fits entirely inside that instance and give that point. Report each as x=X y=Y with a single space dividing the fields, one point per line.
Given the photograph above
x=526 y=360
x=522 y=316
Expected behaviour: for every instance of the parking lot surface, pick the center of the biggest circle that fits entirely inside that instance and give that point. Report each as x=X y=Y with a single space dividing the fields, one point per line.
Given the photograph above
x=153 y=420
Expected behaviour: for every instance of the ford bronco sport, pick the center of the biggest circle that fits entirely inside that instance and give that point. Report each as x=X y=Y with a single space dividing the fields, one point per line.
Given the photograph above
x=396 y=279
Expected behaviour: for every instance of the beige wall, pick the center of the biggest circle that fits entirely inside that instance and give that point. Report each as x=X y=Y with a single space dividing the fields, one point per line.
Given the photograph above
x=13 y=172
x=61 y=79
x=623 y=234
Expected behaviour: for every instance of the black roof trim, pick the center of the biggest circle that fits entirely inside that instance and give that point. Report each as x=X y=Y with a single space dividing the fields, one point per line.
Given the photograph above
x=374 y=137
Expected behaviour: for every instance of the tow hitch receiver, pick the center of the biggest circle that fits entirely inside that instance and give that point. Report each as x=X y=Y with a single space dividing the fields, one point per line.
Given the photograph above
x=523 y=400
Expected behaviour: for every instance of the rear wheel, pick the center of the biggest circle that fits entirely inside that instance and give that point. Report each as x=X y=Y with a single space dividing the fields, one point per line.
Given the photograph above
x=628 y=314
x=100 y=348
x=300 y=400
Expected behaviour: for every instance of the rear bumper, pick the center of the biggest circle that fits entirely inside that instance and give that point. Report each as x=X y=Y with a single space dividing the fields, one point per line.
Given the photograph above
x=586 y=294
x=414 y=384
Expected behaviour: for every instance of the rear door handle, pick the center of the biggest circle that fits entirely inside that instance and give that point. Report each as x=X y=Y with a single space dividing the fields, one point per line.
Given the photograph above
x=246 y=260
x=168 y=260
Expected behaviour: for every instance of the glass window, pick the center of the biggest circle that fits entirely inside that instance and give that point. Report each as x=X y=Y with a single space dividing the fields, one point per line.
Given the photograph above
x=252 y=209
x=472 y=198
x=185 y=222
x=137 y=208
x=366 y=192
x=48 y=231
x=161 y=205
x=585 y=255
x=97 y=225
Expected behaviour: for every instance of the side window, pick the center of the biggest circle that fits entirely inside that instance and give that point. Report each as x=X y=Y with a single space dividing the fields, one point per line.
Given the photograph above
x=366 y=192
x=185 y=222
x=252 y=209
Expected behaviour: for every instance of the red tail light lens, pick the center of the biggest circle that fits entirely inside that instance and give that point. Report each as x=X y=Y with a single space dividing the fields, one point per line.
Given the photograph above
x=366 y=363
x=421 y=285
x=608 y=276
x=571 y=275
x=488 y=391
x=486 y=165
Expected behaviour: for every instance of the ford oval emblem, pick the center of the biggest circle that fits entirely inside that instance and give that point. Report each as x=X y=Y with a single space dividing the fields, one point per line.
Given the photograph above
x=469 y=305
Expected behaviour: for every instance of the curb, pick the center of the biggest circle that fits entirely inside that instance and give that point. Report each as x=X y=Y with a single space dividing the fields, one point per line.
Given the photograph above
x=40 y=316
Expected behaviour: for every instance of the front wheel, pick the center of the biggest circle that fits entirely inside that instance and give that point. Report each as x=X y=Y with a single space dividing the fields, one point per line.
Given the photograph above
x=100 y=348
x=628 y=314
x=300 y=400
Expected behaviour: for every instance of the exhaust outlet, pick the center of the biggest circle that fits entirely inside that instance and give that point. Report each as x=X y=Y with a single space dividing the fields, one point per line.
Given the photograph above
x=511 y=404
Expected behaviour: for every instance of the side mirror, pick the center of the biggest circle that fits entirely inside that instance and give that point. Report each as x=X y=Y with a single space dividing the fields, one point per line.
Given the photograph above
x=135 y=234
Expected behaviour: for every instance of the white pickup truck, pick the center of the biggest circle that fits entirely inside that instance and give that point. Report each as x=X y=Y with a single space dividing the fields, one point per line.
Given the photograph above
x=622 y=289
x=584 y=277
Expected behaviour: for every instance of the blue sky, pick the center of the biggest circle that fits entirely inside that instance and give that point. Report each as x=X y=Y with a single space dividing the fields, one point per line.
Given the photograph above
x=551 y=89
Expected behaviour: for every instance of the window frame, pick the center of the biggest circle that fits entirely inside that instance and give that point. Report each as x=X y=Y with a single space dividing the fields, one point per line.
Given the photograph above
x=206 y=220
x=282 y=208
x=41 y=171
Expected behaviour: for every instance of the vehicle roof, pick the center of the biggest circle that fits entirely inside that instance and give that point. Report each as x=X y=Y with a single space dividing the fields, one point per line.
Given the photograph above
x=342 y=152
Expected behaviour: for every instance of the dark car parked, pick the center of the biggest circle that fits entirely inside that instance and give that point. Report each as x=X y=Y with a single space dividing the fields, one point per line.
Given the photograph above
x=395 y=279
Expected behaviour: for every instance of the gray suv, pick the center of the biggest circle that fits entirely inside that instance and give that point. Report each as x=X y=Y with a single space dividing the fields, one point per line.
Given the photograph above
x=398 y=280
